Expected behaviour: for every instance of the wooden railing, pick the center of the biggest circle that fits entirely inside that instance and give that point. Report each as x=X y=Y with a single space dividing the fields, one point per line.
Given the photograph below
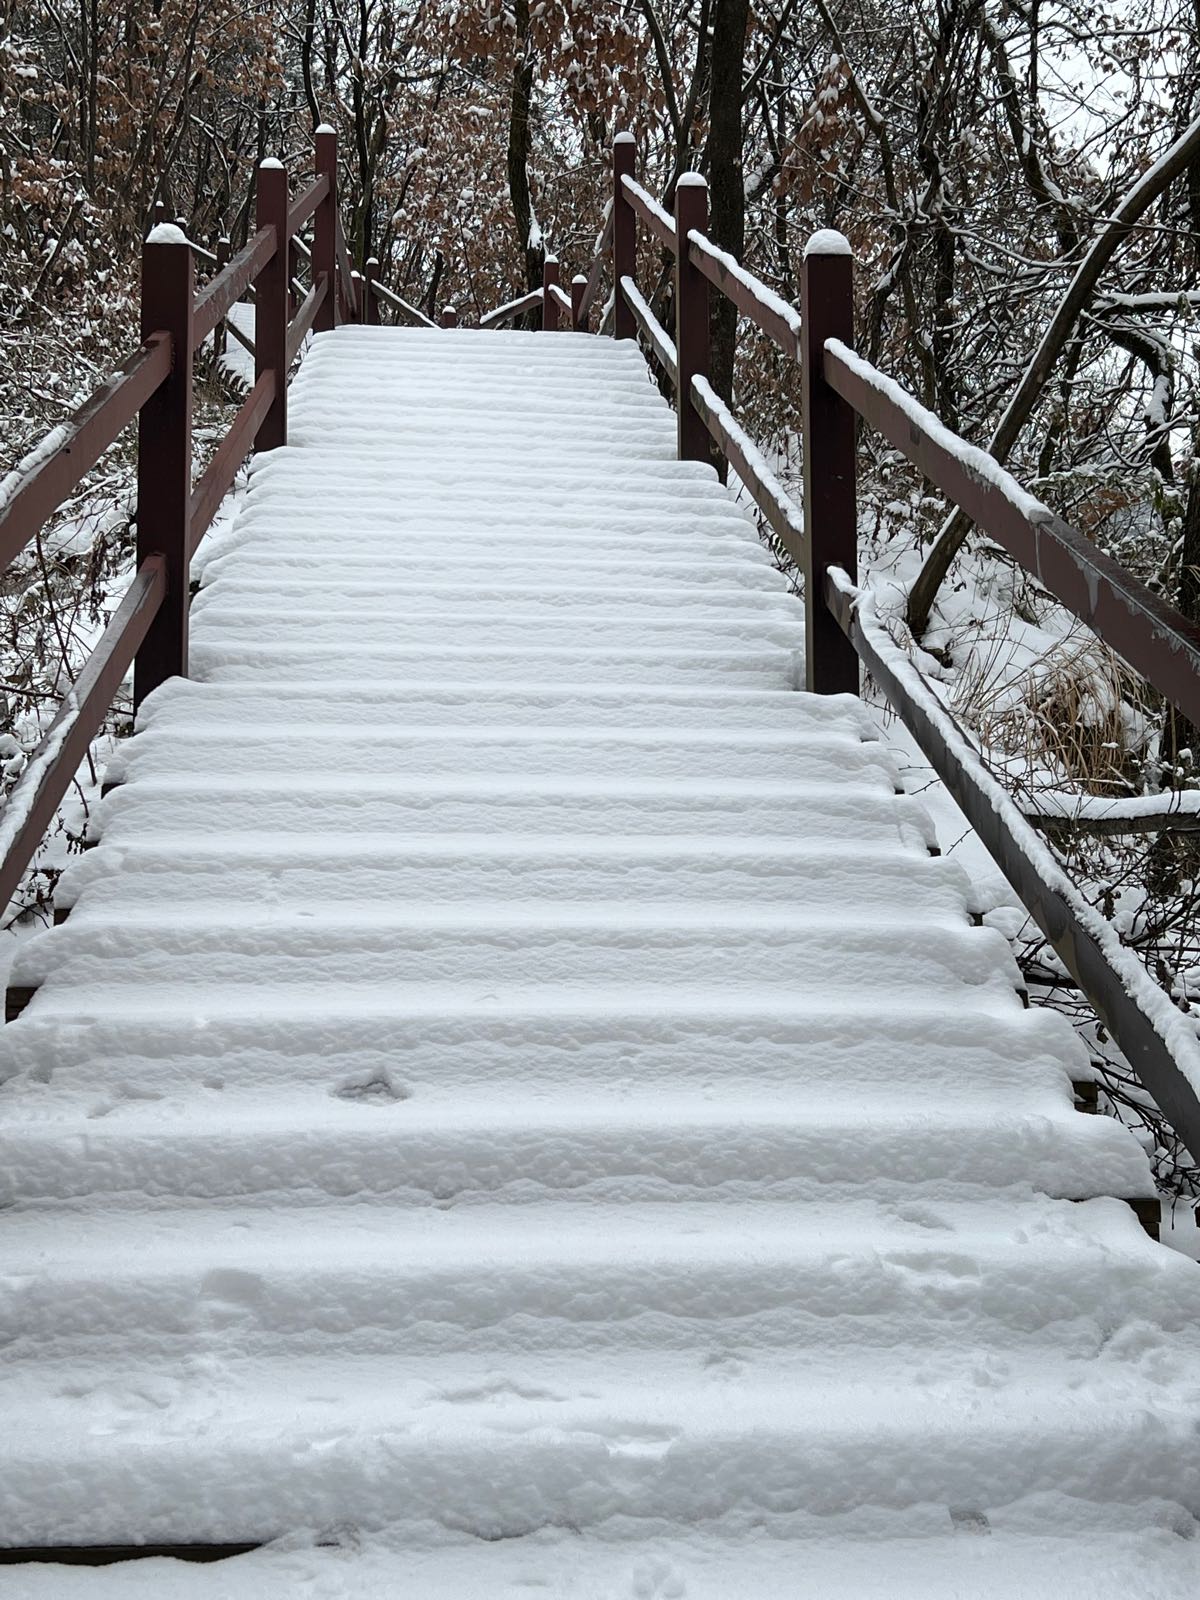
x=149 y=629
x=843 y=631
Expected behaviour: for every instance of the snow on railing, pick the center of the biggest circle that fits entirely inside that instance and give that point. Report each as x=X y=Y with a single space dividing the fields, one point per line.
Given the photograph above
x=841 y=632
x=148 y=630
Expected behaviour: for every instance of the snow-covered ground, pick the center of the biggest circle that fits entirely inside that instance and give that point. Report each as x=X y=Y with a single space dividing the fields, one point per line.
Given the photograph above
x=515 y=1096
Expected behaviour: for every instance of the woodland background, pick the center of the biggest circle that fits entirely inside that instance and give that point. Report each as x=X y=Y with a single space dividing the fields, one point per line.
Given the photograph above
x=973 y=151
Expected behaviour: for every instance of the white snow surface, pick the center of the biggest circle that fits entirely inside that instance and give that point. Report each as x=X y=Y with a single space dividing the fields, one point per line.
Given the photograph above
x=170 y=232
x=516 y=1107
x=828 y=242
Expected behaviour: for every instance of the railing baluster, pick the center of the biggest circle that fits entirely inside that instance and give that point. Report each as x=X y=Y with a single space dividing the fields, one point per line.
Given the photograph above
x=692 y=336
x=830 y=499
x=370 y=300
x=550 y=312
x=324 y=256
x=271 y=302
x=624 y=236
x=164 y=473
x=220 y=337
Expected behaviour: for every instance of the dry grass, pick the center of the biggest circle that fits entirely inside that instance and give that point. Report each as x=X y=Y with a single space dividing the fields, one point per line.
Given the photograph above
x=1078 y=720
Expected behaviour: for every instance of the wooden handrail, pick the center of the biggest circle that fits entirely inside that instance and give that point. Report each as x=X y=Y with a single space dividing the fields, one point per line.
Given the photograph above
x=1141 y=1018
x=650 y=212
x=1152 y=636
x=561 y=298
x=305 y=203
x=29 y=809
x=744 y=456
x=511 y=309
x=231 y=283
x=652 y=330
x=301 y=324
x=42 y=481
x=398 y=303
x=237 y=444
x=749 y=294
x=346 y=272
x=596 y=271
x=838 y=386
x=149 y=629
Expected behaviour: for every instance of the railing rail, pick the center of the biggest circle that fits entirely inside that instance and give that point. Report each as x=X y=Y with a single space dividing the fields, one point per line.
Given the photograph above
x=512 y=309
x=838 y=388
x=148 y=630
x=842 y=634
x=41 y=482
x=1154 y=638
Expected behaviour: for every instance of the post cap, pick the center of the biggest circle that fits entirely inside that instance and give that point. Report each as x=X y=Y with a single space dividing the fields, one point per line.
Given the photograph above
x=828 y=242
x=271 y=164
x=166 y=233
x=691 y=180
x=624 y=138
x=326 y=127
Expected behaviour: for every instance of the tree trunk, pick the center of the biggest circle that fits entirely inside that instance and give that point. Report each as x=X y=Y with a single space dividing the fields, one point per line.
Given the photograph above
x=519 y=143
x=727 y=188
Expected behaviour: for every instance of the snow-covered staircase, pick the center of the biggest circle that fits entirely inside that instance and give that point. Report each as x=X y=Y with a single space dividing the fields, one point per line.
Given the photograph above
x=515 y=1092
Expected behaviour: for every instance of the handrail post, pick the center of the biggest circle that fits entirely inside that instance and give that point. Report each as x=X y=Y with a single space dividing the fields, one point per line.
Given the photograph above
x=271 y=302
x=692 y=337
x=830 y=498
x=164 y=467
x=579 y=285
x=357 y=290
x=220 y=336
x=549 y=299
x=324 y=256
x=449 y=317
x=624 y=236
x=370 y=299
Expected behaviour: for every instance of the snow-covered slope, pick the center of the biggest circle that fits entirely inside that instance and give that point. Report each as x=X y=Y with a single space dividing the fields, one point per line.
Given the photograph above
x=515 y=1089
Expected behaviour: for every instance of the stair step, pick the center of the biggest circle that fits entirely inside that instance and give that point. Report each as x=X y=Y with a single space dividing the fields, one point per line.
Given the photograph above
x=348 y=1281
x=651 y=1145
x=500 y=1447
x=408 y=805
x=736 y=874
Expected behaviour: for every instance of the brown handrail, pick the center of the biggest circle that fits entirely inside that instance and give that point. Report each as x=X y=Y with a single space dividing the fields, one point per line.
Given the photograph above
x=1152 y=636
x=745 y=458
x=237 y=444
x=1139 y=1016
x=511 y=309
x=54 y=470
x=306 y=202
x=231 y=283
x=149 y=628
x=652 y=330
x=306 y=315
x=837 y=387
x=752 y=297
x=596 y=270
x=29 y=809
x=650 y=212
x=345 y=272
x=398 y=303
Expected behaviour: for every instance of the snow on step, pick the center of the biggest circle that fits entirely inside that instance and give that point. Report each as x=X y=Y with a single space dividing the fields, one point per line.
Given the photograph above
x=512 y=1064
